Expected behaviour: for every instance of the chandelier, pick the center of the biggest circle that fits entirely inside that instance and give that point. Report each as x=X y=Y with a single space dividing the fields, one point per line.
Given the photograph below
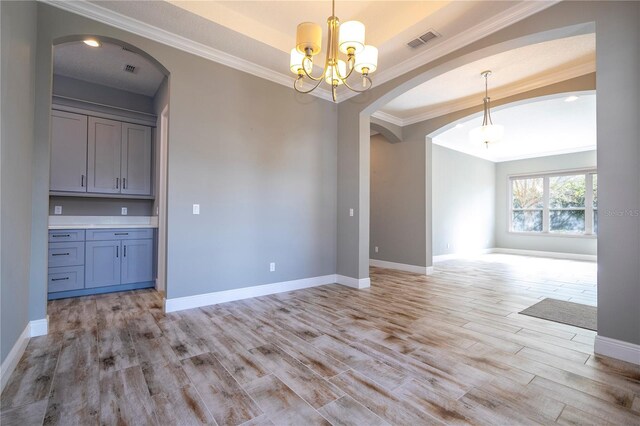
x=487 y=133
x=347 y=38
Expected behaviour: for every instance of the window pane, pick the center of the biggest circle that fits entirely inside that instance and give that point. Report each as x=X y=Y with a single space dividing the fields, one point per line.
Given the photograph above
x=527 y=193
x=595 y=191
x=566 y=220
x=566 y=191
x=527 y=221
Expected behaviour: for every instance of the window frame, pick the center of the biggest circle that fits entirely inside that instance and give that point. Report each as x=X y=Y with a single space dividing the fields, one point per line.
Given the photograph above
x=546 y=217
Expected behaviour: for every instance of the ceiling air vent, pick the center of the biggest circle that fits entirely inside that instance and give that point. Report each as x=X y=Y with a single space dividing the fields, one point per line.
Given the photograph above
x=130 y=68
x=423 y=39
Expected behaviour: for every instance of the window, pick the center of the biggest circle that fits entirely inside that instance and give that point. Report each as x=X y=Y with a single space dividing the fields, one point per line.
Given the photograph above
x=564 y=203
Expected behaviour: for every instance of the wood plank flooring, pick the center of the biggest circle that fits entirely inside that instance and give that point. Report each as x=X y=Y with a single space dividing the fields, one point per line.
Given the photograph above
x=450 y=348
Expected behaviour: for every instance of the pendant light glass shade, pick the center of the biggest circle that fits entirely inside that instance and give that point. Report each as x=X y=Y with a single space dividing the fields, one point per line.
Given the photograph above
x=367 y=59
x=351 y=35
x=489 y=134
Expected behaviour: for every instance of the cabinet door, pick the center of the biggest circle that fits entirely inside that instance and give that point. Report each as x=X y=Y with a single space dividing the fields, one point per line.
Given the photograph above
x=102 y=263
x=68 y=152
x=136 y=159
x=137 y=261
x=104 y=156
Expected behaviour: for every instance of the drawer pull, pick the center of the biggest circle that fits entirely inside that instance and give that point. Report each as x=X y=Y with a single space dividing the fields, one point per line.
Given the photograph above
x=59 y=279
x=60 y=254
x=60 y=235
x=121 y=233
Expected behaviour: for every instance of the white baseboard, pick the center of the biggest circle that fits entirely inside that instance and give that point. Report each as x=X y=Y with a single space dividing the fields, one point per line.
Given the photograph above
x=190 y=302
x=33 y=329
x=399 y=266
x=534 y=253
x=450 y=256
x=12 y=359
x=552 y=254
x=617 y=349
x=39 y=327
x=429 y=270
x=353 y=282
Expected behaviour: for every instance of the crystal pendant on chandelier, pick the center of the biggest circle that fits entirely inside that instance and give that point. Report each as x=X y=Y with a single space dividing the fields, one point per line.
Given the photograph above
x=487 y=133
x=347 y=38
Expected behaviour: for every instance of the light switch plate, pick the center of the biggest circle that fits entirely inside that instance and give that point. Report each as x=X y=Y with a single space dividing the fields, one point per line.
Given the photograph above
x=57 y=210
x=196 y=209
x=272 y=266
x=123 y=211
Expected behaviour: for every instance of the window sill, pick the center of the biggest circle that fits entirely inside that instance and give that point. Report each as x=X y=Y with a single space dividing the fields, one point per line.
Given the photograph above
x=554 y=234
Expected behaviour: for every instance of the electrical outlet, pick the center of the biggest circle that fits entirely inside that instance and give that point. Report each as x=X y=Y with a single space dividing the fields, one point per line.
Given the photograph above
x=196 y=209
x=123 y=211
x=376 y=249
x=350 y=212
x=57 y=210
x=272 y=266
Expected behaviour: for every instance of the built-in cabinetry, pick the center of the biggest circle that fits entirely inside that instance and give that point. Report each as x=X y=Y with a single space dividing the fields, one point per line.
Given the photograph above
x=99 y=156
x=99 y=261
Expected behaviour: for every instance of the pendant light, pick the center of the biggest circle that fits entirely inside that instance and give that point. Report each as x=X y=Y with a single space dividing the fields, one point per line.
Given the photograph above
x=487 y=133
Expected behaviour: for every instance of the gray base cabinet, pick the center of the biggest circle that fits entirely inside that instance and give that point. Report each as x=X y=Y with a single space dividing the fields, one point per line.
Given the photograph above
x=103 y=264
x=100 y=260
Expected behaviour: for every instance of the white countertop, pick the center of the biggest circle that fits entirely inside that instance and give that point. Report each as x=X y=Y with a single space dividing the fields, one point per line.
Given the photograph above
x=96 y=222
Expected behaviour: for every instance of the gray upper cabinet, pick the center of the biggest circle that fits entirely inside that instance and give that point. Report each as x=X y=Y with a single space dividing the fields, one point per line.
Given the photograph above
x=136 y=159
x=104 y=155
x=68 y=152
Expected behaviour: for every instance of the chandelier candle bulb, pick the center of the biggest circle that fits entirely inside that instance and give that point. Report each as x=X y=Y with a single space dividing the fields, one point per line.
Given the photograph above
x=333 y=75
x=309 y=38
x=351 y=36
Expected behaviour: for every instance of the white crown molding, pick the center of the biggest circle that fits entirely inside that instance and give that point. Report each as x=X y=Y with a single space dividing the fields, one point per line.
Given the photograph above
x=508 y=17
x=499 y=21
x=134 y=26
x=498 y=93
x=617 y=349
x=388 y=118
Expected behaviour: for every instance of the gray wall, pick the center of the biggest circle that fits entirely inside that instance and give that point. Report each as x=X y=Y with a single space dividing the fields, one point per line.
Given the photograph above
x=463 y=202
x=265 y=177
x=562 y=244
x=17 y=102
x=76 y=206
x=92 y=92
x=618 y=66
x=393 y=183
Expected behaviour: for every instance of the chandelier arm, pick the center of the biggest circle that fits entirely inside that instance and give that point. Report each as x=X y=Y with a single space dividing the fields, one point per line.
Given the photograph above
x=352 y=61
x=366 y=77
x=304 y=68
x=295 y=86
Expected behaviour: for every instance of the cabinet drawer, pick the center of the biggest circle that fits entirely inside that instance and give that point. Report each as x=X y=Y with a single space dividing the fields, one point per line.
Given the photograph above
x=63 y=235
x=66 y=278
x=66 y=254
x=119 y=234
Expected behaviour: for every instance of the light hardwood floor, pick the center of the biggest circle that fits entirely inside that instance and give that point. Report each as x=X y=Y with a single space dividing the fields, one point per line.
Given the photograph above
x=444 y=349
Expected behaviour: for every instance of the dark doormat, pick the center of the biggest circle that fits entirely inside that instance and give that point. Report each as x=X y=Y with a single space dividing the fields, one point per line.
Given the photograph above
x=576 y=314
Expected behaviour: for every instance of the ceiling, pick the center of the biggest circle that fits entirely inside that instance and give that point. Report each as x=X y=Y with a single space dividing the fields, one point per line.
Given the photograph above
x=256 y=36
x=535 y=128
x=513 y=71
x=105 y=65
